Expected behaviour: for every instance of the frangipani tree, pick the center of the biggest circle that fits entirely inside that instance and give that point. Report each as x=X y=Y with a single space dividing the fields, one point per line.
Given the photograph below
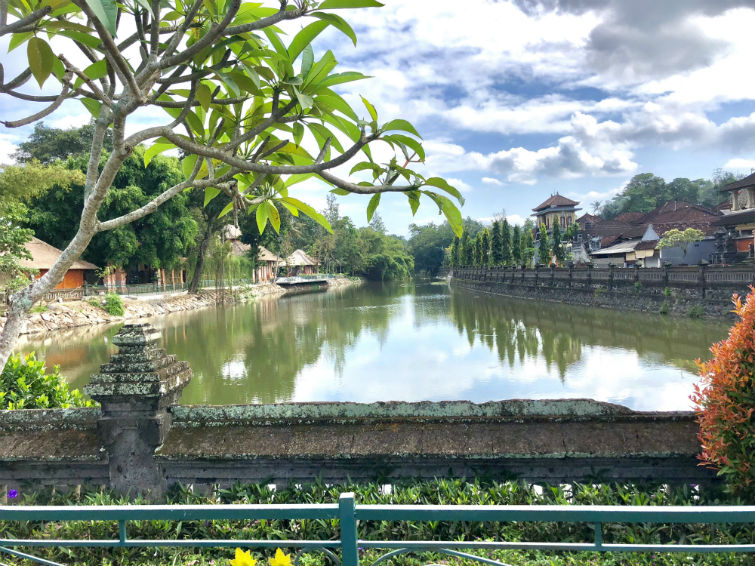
x=681 y=239
x=252 y=110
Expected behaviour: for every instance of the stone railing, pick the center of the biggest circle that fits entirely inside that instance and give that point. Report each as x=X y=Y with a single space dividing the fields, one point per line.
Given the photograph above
x=140 y=440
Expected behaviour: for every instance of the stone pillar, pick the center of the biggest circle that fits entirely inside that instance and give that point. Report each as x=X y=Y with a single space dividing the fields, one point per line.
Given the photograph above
x=135 y=391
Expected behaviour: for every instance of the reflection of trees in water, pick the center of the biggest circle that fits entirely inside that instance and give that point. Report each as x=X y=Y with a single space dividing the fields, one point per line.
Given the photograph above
x=255 y=352
x=558 y=332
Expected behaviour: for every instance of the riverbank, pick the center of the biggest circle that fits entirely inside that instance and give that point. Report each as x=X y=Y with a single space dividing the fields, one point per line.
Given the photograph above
x=75 y=314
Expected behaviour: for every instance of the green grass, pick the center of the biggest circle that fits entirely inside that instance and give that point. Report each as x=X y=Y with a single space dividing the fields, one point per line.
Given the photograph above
x=451 y=492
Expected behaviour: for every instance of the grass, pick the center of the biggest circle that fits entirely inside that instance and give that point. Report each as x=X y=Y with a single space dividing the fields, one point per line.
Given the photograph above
x=442 y=491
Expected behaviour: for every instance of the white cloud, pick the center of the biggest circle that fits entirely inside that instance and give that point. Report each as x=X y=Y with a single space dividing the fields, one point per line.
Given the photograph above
x=459 y=184
x=491 y=181
x=740 y=164
x=7 y=147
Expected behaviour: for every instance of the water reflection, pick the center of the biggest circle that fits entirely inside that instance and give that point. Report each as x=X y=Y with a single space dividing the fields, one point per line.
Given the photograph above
x=412 y=342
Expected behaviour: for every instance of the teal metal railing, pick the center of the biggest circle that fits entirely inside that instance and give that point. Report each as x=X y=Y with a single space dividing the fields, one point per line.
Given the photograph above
x=348 y=513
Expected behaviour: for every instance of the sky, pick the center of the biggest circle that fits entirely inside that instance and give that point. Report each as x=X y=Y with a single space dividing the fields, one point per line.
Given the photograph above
x=519 y=99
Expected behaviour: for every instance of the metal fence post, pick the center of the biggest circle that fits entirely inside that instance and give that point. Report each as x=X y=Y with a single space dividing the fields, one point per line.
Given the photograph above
x=348 y=520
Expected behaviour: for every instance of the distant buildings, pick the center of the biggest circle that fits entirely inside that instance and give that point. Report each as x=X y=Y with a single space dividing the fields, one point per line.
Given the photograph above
x=632 y=238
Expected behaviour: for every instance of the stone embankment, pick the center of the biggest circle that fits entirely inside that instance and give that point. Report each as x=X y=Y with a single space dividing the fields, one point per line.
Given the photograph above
x=86 y=312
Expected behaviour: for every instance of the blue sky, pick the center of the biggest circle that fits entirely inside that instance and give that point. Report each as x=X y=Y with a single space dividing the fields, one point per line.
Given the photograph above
x=518 y=99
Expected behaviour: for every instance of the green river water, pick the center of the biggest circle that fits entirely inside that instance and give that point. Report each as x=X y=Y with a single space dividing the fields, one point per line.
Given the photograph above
x=412 y=342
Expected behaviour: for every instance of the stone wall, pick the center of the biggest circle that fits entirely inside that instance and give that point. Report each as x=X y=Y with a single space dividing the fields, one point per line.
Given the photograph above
x=682 y=291
x=140 y=440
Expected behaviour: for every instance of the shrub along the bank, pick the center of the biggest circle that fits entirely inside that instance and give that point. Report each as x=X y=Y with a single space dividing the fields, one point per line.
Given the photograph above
x=451 y=492
x=26 y=384
x=726 y=403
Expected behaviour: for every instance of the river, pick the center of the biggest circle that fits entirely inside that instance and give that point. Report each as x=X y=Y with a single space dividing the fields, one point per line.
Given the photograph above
x=412 y=342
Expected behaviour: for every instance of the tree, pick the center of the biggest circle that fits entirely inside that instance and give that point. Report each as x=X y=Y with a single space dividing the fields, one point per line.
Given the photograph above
x=544 y=247
x=427 y=244
x=496 y=244
x=557 y=246
x=454 y=253
x=13 y=239
x=682 y=239
x=48 y=145
x=485 y=247
x=528 y=242
x=467 y=250
x=516 y=245
x=506 y=242
x=251 y=115
x=478 y=250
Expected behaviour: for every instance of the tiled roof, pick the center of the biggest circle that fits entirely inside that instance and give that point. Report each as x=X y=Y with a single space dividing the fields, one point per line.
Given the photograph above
x=647 y=245
x=555 y=200
x=748 y=181
x=630 y=217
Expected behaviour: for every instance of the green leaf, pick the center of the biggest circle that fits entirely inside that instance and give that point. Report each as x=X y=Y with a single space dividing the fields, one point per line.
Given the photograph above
x=209 y=194
x=333 y=101
x=83 y=38
x=305 y=101
x=106 y=11
x=339 y=23
x=452 y=214
x=443 y=185
x=364 y=165
x=40 y=58
x=341 y=192
x=373 y=204
x=273 y=215
x=411 y=143
x=96 y=70
x=320 y=69
x=343 y=4
x=17 y=39
x=92 y=105
x=340 y=78
x=370 y=108
x=413 y=197
x=262 y=217
x=307 y=60
x=305 y=37
x=187 y=165
x=298 y=132
x=401 y=125
x=309 y=211
x=228 y=208
x=155 y=149
x=204 y=96
x=146 y=5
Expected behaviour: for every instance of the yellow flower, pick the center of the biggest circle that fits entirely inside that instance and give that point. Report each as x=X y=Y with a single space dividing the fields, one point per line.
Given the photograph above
x=243 y=558
x=280 y=559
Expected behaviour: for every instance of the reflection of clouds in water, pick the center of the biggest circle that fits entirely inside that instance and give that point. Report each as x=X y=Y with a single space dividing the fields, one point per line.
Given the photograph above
x=234 y=369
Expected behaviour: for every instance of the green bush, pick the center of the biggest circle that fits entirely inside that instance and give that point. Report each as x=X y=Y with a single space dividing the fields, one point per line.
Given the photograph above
x=38 y=308
x=637 y=287
x=114 y=304
x=24 y=384
x=667 y=291
x=664 y=308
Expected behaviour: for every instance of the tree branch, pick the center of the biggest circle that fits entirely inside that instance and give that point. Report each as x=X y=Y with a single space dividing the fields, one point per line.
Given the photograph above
x=208 y=39
x=47 y=111
x=359 y=189
x=18 y=25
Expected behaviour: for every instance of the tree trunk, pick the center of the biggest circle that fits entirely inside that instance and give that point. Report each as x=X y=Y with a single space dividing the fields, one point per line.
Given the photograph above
x=199 y=267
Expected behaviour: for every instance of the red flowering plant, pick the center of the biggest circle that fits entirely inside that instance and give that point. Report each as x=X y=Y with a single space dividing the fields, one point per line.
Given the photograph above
x=725 y=399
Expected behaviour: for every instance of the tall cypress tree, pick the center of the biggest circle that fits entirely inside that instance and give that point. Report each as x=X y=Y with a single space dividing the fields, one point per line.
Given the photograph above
x=478 y=249
x=516 y=245
x=528 y=245
x=506 y=243
x=557 y=246
x=453 y=255
x=544 y=247
x=467 y=250
x=496 y=245
x=485 y=258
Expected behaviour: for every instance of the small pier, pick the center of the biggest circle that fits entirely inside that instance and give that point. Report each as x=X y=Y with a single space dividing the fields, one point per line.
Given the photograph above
x=295 y=285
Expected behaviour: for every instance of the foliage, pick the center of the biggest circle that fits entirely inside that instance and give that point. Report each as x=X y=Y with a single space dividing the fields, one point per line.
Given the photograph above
x=682 y=239
x=516 y=245
x=48 y=145
x=506 y=242
x=438 y=492
x=544 y=247
x=665 y=308
x=467 y=250
x=725 y=401
x=485 y=247
x=427 y=244
x=528 y=242
x=496 y=244
x=454 y=254
x=113 y=304
x=13 y=239
x=557 y=245
x=645 y=192
x=24 y=384
x=478 y=250
x=21 y=183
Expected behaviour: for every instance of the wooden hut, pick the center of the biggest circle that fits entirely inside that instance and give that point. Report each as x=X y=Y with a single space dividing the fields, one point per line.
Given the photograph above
x=299 y=263
x=43 y=256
